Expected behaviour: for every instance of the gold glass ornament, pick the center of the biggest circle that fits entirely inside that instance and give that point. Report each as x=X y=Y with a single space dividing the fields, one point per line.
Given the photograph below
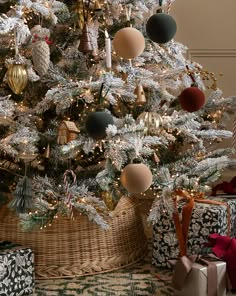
x=17 y=77
x=140 y=95
x=151 y=121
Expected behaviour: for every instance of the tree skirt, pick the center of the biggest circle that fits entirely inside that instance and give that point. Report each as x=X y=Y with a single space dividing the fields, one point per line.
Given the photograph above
x=140 y=279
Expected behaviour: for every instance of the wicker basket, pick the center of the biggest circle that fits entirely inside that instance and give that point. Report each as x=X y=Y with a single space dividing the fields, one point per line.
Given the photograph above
x=71 y=248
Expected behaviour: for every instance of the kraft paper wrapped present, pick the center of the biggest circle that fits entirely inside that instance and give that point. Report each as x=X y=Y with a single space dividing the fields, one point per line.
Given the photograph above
x=16 y=270
x=196 y=281
x=205 y=220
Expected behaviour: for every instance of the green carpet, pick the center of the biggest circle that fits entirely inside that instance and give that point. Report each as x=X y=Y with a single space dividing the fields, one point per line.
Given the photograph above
x=141 y=279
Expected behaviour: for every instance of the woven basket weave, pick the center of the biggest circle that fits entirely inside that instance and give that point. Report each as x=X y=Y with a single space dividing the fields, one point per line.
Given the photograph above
x=71 y=248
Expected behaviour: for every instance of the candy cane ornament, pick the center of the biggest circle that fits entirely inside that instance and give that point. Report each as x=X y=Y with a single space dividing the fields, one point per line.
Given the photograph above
x=68 y=193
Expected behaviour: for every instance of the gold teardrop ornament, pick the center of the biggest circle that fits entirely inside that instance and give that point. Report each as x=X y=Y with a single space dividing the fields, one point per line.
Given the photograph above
x=17 y=77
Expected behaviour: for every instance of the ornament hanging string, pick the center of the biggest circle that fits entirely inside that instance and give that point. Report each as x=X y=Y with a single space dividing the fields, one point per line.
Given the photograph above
x=68 y=193
x=168 y=7
x=191 y=75
x=100 y=94
x=128 y=14
x=86 y=10
x=16 y=44
x=18 y=14
x=101 y=97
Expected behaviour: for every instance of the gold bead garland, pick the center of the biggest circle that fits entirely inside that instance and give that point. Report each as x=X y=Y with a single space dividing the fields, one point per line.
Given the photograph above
x=206 y=76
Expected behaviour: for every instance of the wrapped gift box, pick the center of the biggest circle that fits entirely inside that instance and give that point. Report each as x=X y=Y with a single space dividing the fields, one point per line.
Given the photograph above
x=16 y=270
x=206 y=219
x=196 y=281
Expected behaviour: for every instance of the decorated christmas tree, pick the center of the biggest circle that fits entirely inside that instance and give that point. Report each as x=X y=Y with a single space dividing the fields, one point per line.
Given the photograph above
x=98 y=101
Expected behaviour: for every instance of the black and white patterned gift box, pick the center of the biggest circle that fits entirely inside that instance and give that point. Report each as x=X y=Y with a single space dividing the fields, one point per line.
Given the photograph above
x=16 y=270
x=206 y=219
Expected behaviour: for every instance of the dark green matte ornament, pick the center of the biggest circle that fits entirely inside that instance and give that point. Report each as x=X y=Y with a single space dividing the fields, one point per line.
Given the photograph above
x=161 y=27
x=96 y=124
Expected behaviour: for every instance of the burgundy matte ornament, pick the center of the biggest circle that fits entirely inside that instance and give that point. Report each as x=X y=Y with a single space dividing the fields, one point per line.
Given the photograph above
x=192 y=99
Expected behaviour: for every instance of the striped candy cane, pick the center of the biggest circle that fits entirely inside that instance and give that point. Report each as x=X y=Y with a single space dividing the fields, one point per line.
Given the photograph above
x=234 y=133
x=68 y=193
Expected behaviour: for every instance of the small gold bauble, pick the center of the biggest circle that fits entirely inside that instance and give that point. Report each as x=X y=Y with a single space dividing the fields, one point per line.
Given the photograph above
x=151 y=121
x=17 y=77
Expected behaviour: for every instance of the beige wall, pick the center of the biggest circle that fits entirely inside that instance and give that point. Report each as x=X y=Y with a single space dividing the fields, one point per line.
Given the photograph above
x=208 y=29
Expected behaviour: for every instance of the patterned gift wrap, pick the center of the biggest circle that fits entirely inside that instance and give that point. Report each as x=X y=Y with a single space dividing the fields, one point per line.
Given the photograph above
x=16 y=270
x=206 y=219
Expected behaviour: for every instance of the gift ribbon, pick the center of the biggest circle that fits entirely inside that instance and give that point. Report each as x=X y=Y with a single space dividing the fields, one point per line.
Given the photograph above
x=182 y=229
x=184 y=265
x=211 y=276
x=68 y=193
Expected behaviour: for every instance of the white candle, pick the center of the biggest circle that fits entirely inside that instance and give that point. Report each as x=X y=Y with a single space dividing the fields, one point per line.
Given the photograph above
x=108 y=50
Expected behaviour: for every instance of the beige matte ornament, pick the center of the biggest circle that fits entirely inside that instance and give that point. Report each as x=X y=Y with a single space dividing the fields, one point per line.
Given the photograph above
x=151 y=121
x=128 y=43
x=136 y=178
x=17 y=77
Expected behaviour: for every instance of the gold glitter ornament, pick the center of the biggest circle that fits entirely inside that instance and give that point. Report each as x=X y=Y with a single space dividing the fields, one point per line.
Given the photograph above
x=17 y=77
x=151 y=121
x=110 y=199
